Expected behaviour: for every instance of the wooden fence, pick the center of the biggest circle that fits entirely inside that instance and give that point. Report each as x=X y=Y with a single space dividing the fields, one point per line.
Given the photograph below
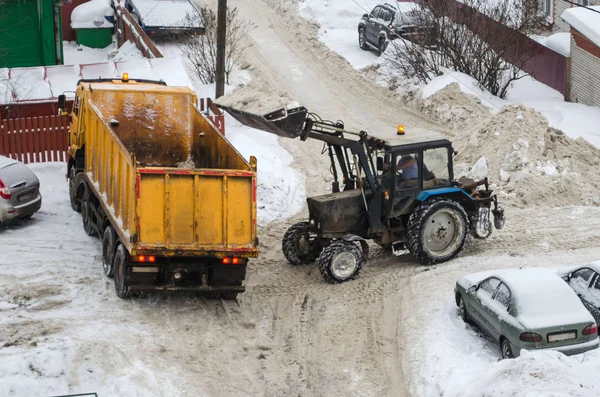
x=128 y=29
x=214 y=113
x=35 y=139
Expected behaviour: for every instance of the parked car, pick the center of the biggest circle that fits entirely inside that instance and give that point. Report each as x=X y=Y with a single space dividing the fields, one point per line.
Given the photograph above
x=585 y=281
x=386 y=23
x=531 y=309
x=19 y=190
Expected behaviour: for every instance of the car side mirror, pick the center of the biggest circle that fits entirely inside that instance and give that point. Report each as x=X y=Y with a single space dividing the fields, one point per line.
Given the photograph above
x=567 y=277
x=471 y=289
x=379 y=163
x=366 y=16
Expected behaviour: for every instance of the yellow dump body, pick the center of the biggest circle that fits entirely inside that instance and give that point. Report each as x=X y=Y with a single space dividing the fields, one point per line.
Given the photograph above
x=170 y=183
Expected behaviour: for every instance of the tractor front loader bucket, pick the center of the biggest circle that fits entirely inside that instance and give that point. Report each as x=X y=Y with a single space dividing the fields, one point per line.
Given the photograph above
x=287 y=123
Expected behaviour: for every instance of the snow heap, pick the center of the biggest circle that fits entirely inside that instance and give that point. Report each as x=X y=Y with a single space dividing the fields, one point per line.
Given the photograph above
x=585 y=21
x=560 y=42
x=92 y=15
x=532 y=162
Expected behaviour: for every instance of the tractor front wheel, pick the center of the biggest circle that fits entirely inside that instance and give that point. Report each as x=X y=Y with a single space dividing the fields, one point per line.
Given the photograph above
x=299 y=245
x=341 y=261
x=437 y=231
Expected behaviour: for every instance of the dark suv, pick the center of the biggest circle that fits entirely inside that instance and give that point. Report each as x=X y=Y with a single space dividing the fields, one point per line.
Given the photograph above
x=384 y=24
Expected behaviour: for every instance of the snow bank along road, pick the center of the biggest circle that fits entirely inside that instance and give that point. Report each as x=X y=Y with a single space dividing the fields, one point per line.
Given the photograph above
x=62 y=329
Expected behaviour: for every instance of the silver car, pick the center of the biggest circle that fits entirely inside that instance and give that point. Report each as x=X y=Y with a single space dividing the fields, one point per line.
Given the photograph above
x=531 y=309
x=19 y=191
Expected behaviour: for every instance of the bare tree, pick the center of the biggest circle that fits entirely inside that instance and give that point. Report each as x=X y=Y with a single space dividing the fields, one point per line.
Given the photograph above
x=484 y=39
x=201 y=51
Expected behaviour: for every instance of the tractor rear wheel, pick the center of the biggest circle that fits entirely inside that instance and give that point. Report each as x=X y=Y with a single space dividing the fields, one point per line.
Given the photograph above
x=341 y=261
x=299 y=247
x=437 y=231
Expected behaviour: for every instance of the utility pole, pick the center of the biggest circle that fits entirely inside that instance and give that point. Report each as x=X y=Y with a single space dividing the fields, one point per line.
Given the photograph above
x=221 y=30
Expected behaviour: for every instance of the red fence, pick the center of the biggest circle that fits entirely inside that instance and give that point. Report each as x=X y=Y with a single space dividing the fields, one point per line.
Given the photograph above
x=542 y=63
x=214 y=113
x=35 y=139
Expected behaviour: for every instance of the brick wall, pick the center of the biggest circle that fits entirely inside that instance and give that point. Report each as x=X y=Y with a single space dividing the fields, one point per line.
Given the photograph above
x=585 y=70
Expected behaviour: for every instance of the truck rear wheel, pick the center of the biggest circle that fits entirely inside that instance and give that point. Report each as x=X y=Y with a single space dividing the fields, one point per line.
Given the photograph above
x=86 y=214
x=109 y=240
x=75 y=203
x=437 y=231
x=299 y=247
x=341 y=261
x=120 y=271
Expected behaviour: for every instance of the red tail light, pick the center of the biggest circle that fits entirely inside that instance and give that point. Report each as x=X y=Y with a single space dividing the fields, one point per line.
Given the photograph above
x=231 y=261
x=4 y=191
x=226 y=261
x=530 y=337
x=591 y=329
x=151 y=259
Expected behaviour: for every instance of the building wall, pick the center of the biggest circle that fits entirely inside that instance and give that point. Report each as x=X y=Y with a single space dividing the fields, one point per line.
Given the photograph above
x=585 y=70
x=27 y=33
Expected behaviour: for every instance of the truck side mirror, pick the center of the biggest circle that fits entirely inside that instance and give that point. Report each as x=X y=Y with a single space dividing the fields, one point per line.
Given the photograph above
x=62 y=103
x=379 y=163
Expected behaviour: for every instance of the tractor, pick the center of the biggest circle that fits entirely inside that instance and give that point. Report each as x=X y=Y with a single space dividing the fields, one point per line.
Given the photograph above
x=399 y=192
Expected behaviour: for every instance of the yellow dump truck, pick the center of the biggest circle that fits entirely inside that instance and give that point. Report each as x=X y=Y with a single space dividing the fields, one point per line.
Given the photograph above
x=172 y=200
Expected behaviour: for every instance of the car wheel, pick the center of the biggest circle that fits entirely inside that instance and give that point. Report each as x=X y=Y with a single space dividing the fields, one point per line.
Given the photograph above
x=361 y=40
x=382 y=46
x=462 y=310
x=506 y=350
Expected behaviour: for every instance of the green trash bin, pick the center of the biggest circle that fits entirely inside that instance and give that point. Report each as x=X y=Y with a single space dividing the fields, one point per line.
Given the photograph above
x=94 y=37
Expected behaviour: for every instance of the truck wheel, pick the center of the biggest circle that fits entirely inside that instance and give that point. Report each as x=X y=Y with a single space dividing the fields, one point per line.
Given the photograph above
x=75 y=203
x=341 y=261
x=298 y=247
x=437 y=231
x=361 y=40
x=109 y=240
x=120 y=272
x=86 y=214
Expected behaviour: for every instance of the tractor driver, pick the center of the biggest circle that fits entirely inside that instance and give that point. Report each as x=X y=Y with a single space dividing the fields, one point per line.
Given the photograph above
x=409 y=169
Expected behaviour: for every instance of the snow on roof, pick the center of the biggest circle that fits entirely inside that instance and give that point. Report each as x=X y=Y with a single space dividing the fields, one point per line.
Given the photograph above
x=85 y=15
x=168 y=13
x=585 y=21
x=43 y=84
x=560 y=42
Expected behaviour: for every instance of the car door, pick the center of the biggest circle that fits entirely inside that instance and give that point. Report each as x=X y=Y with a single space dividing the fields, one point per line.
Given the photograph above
x=385 y=22
x=372 y=26
x=586 y=283
x=498 y=311
x=482 y=300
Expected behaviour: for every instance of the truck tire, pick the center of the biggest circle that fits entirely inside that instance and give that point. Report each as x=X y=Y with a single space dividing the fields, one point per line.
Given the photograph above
x=120 y=271
x=75 y=203
x=109 y=241
x=437 y=231
x=86 y=214
x=341 y=261
x=297 y=247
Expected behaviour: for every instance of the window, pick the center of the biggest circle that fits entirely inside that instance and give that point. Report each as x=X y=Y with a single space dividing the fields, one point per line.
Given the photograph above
x=580 y=280
x=407 y=171
x=435 y=167
x=387 y=16
x=584 y=3
x=488 y=287
x=548 y=9
x=375 y=13
x=503 y=295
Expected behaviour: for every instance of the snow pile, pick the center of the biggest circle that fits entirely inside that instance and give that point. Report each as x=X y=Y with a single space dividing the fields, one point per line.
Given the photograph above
x=338 y=21
x=532 y=162
x=248 y=100
x=92 y=15
x=127 y=52
x=585 y=21
x=280 y=189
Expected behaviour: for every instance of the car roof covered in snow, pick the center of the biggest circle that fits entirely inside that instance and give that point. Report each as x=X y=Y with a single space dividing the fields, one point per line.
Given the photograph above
x=169 y=13
x=592 y=265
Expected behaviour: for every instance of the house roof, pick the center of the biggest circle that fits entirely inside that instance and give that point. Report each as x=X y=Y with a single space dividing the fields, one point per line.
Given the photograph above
x=585 y=21
x=46 y=83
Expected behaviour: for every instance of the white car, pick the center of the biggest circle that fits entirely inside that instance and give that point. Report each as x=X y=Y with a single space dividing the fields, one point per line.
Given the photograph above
x=19 y=191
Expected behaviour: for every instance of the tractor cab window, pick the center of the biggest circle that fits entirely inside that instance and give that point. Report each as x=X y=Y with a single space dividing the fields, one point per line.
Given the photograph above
x=407 y=171
x=435 y=167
